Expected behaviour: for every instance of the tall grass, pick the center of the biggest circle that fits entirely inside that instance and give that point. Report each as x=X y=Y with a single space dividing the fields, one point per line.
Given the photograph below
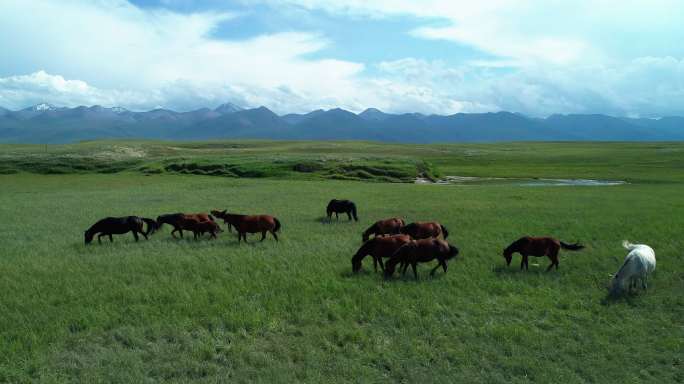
x=168 y=310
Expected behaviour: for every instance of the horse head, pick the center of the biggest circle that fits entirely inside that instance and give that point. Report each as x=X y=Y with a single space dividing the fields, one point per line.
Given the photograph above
x=88 y=236
x=453 y=251
x=508 y=254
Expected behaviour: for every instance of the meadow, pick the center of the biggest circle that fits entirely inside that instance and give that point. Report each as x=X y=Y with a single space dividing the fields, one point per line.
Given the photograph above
x=168 y=310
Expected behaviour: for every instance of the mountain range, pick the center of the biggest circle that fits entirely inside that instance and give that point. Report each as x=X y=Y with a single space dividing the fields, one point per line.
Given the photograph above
x=46 y=123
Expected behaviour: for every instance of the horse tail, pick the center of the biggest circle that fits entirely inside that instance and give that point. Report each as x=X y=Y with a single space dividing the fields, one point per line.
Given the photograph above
x=277 y=225
x=627 y=245
x=572 y=247
x=152 y=225
x=353 y=211
x=445 y=233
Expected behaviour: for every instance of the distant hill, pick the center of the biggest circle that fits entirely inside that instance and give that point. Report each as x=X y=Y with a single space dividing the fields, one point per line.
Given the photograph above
x=46 y=123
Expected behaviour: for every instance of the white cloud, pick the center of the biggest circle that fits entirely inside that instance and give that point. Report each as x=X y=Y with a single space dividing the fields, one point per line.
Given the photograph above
x=121 y=50
x=537 y=58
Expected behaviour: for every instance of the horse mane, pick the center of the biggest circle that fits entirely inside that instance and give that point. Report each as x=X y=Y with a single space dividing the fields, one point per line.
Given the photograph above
x=371 y=229
x=514 y=246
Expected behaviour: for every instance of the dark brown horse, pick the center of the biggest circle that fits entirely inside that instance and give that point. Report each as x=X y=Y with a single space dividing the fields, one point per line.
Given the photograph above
x=384 y=227
x=118 y=226
x=245 y=224
x=175 y=220
x=341 y=206
x=199 y=228
x=425 y=230
x=378 y=248
x=538 y=247
x=421 y=251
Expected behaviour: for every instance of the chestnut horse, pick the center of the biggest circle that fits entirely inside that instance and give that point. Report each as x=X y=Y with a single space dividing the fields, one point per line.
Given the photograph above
x=421 y=251
x=341 y=206
x=378 y=248
x=118 y=226
x=384 y=227
x=538 y=247
x=425 y=230
x=245 y=224
x=176 y=219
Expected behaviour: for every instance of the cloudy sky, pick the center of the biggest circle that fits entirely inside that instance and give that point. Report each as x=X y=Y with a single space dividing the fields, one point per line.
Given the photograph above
x=536 y=57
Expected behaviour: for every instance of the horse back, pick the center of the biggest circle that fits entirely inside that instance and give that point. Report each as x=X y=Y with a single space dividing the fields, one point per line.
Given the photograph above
x=387 y=246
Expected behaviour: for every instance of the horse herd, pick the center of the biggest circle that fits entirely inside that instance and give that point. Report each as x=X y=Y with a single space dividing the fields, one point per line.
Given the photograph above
x=402 y=244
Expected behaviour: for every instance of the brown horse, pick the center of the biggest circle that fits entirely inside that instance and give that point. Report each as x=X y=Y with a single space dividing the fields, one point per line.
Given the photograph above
x=425 y=230
x=175 y=220
x=421 y=251
x=538 y=247
x=245 y=224
x=384 y=227
x=378 y=248
x=199 y=228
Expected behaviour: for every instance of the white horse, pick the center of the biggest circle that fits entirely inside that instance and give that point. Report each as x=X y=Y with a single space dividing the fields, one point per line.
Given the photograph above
x=639 y=262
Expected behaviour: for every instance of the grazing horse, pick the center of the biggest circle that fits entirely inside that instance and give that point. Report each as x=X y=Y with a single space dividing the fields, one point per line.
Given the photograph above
x=384 y=227
x=175 y=220
x=421 y=251
x=341 y=206
x=425 y=230
x=118 y=226
x=538 y=247
x=378 y=248
x=639 y=263
x=245 y=224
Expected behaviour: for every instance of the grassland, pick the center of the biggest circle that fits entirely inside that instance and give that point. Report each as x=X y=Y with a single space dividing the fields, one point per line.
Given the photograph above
x=169 y=310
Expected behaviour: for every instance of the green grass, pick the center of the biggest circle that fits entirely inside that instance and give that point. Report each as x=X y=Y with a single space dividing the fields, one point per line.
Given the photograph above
x=169 y=310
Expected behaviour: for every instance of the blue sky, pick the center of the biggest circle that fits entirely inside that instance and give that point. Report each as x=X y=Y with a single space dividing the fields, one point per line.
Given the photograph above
x=431 y=56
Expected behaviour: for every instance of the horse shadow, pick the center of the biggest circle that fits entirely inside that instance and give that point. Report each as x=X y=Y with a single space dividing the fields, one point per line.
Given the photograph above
x=332 y=220
x=503 y=270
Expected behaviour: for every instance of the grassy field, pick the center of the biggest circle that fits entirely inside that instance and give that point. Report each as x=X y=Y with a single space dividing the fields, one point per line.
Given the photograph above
x=168 y=310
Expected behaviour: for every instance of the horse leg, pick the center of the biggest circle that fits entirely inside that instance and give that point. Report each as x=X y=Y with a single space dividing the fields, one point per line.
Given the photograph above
x=444 y=265
x=432 y=272
x=382 y=265
x=404 y=266
x=375 y=263
x=263 y=235
x=99 y=237
x=135 y=235
x=349 y=216
x=523 y=262
x=143 y=233
x=415 y=271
